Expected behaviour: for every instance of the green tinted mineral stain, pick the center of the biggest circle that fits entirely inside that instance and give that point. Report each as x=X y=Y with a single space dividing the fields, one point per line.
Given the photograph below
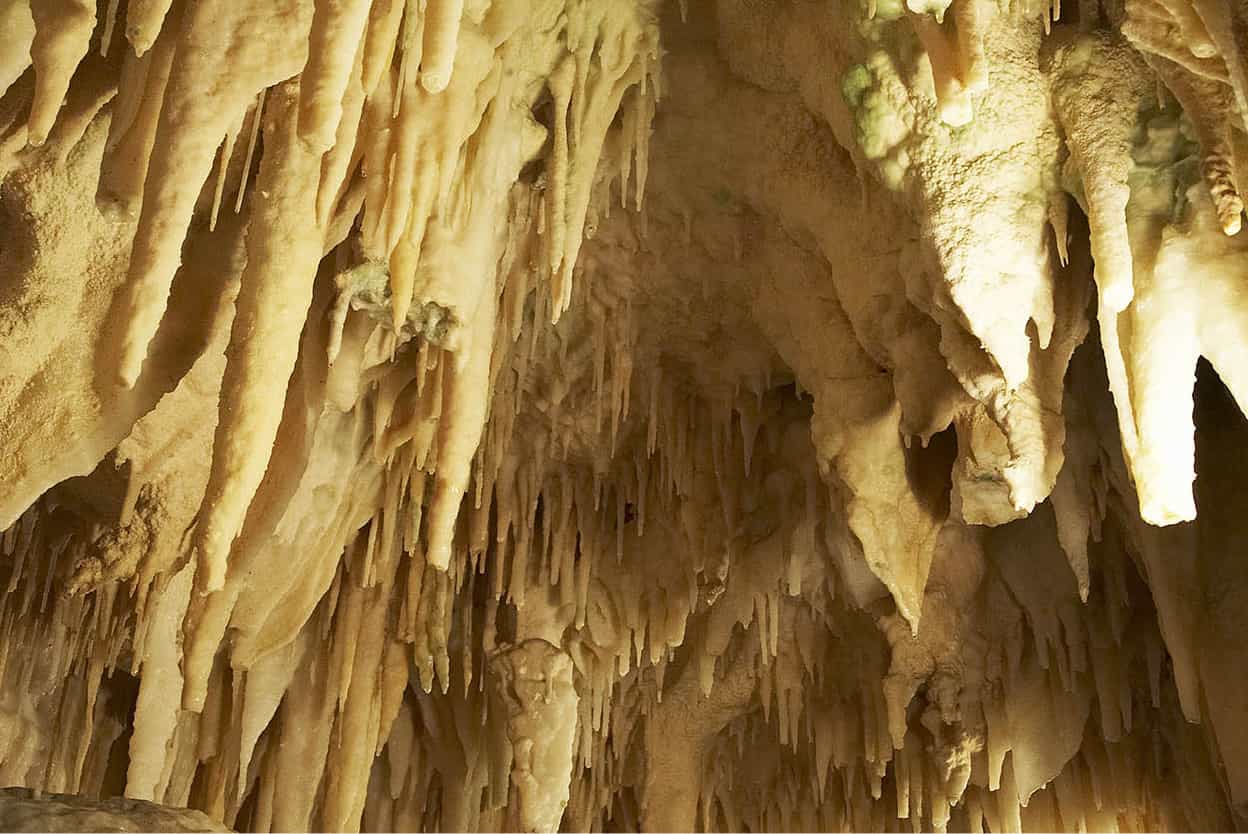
x=366 y=286
x=856 y=82
x=1166 y=159
x=878 y=124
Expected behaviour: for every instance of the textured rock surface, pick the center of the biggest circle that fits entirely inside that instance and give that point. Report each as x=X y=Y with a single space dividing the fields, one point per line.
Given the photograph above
x=617 y=414
x=21 y=810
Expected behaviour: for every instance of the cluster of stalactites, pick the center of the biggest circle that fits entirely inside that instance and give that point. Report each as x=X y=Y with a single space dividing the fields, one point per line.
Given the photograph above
x=378 y=597
x=649 y=568
x=1131 y=159
x=384 y=607
x=792 y=732
x=412 y=119
x=1156 y=183
x=393 y=135
x=1192 y=46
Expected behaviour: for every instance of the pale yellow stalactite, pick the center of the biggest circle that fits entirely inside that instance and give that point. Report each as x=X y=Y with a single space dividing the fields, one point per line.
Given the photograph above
x=264 y=685
x=337 y=35
x=970 y=18
x=441 y=34
x=336 y=164
x=283 y=246
x=385 y=20
x=61 y=38
x=556 y=205
x=248 y=49
x=302 y=752
x=223 y=166
x=255 y=118
x=1100 y=148
x=144 y=19
x=156 y=715
x=17 y=33
x=460 y=427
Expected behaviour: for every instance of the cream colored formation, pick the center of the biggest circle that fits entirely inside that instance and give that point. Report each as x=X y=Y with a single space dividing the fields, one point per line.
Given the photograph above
x=616 y=414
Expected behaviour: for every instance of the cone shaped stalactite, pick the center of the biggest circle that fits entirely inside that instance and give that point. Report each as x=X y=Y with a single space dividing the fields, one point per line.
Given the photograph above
x=619 y=414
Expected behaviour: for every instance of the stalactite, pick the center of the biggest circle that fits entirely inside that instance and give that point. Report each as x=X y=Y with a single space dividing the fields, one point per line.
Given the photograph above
x=272 y=303
x=792 y=492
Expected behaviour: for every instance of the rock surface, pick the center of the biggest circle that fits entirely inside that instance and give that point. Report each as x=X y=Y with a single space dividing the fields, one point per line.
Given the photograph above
x=21 y=810
x=595 y=414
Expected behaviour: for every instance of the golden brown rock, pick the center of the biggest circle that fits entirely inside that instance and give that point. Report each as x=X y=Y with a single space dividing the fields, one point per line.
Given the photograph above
x=623 y=414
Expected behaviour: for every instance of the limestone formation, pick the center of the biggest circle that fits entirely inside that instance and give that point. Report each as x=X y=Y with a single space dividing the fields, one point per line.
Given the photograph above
x=577 y=415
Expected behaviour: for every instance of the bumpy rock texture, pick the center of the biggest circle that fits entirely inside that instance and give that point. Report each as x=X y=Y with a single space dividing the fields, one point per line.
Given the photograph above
x=616 y=414
x=22 y=810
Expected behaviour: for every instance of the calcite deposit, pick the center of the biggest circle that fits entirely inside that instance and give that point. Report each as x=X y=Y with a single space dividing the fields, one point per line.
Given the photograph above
x=660 y=415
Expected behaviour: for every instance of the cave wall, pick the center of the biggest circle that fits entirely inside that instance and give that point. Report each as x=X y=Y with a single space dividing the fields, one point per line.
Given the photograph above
x=622 y=414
